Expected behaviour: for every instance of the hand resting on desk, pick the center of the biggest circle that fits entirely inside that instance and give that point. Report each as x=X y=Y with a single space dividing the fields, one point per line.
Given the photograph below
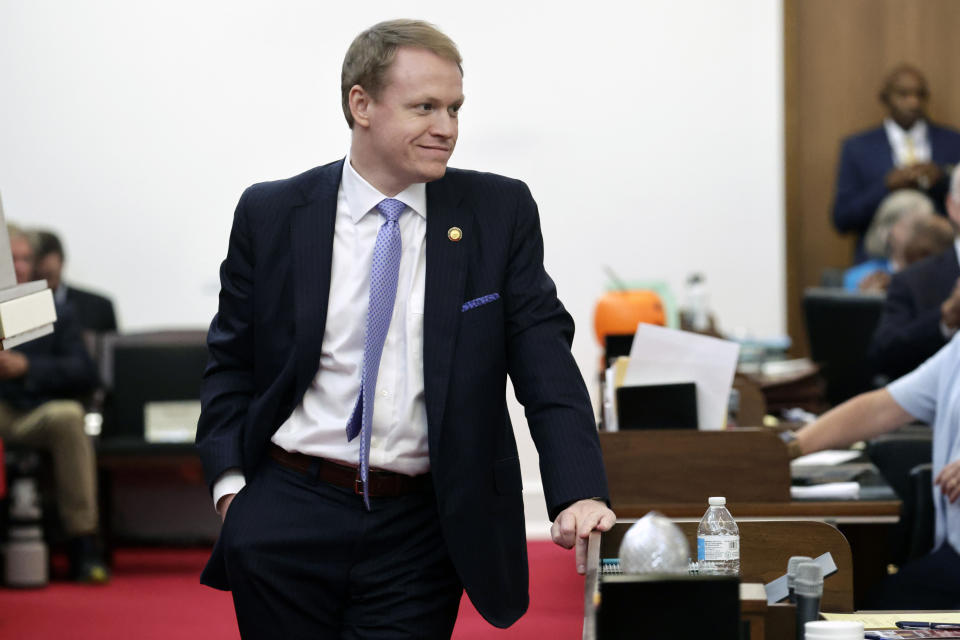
x=574 y=524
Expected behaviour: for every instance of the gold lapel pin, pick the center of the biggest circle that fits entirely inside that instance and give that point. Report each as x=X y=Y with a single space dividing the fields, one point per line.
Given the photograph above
x=454 y=234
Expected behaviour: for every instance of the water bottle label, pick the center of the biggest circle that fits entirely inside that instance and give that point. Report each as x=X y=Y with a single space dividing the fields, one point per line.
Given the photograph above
x=718 y=548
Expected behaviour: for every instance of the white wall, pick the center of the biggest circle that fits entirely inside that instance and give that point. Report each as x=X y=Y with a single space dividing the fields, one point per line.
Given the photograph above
x=650 y=134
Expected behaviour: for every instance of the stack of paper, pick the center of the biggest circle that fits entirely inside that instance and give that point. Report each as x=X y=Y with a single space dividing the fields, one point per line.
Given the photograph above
x=26 y=310
x=666 y=356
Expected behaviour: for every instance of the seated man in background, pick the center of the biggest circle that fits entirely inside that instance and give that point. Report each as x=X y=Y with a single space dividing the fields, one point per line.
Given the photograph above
x=905 y=152
x=93 y=312
x=931 y=394
x=38 y=380
x=922 y=309
x=884 y=243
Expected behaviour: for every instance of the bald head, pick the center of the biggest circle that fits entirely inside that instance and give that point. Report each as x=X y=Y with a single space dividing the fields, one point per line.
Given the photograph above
x=905 y=94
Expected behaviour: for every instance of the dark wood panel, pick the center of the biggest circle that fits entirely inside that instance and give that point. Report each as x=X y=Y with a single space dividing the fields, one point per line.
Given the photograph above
x=663 y=466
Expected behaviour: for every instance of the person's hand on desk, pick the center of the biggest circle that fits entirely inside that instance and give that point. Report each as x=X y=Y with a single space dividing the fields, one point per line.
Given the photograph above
x=949 y=480
x=574 y=524
x=223 y=504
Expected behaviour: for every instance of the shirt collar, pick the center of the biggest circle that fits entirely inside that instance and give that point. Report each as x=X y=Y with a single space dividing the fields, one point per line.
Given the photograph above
x=362 y=197
x=918 y=132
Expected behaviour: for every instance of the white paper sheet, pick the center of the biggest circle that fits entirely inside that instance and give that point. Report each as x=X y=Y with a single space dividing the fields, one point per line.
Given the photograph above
x=667 y=356
x=827 y=491
x=823 y=458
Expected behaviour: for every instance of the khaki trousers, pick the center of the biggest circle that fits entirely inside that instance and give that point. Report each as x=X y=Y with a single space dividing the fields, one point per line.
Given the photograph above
x=57 y=427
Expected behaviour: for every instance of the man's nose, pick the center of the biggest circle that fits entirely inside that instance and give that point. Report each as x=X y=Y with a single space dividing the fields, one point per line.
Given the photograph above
x=444 y=125
x=913 y=101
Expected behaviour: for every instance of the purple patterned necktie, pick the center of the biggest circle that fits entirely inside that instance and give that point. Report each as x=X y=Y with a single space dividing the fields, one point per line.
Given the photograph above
x=384 y=273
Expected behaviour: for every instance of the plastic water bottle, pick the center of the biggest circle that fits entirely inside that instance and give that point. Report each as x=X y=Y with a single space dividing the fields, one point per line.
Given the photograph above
x=697 y=314
x=718 y=541
x=25 y=553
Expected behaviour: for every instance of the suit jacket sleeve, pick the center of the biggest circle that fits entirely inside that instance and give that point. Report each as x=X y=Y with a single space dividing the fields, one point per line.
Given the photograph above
x=545 y=375
x=227 y=386
x=109 y=317
x=906 y=335
x=857 y=198
x=65 y=368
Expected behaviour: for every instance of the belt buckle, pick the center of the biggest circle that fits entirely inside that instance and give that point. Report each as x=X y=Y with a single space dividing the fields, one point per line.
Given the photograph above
x=358 y=486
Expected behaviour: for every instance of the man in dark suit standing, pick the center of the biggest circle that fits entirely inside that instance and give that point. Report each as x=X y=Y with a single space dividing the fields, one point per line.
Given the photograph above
x=354 y=428
x=905 y=152
x=93 y=311
x=922 y=309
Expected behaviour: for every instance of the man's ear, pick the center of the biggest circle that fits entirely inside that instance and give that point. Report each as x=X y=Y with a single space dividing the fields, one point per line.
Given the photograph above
x=360 y=102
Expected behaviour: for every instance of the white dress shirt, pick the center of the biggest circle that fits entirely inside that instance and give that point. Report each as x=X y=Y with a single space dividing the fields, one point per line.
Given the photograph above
x=909 y=147
x=317 y=426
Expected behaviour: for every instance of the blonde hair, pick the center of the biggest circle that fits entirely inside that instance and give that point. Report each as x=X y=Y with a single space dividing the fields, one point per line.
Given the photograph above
x=891 y=209
x=372 y=52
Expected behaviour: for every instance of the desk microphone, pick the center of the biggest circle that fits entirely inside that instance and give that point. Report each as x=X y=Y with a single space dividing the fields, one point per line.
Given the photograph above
x=809 y=589
x=792 y=574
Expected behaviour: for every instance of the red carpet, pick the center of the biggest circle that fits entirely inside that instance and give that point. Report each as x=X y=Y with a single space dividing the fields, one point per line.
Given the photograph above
x=155 y=595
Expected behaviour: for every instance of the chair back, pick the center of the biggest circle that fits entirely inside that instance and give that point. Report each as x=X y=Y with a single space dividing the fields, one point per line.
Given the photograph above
x=895 y=456
x=840 y=326
x=924 y=516
x=137 y=369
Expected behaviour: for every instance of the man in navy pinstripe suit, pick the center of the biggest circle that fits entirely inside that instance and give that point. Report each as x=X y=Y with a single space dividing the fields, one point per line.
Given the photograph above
x=289 y=347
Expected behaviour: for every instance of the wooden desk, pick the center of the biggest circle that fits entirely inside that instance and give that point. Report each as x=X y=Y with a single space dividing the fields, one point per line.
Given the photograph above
x=674 y=472
x=753 y=602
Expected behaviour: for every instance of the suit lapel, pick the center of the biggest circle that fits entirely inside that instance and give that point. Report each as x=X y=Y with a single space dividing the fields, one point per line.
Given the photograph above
x=938 y=152
x=311 y=236
x=883 y=150
x=446 y=272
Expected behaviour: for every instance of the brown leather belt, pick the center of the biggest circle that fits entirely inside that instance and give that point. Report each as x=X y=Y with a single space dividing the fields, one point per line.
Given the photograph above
x=383 y=484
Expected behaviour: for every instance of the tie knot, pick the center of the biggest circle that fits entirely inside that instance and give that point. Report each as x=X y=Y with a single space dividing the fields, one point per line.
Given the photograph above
x=391 y=209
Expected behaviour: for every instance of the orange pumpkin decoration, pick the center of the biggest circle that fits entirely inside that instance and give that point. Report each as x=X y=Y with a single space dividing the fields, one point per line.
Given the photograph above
x=619 y=312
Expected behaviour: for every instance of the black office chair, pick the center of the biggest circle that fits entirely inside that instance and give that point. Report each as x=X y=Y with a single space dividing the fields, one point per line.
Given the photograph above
x=896 y=455
x=921 y=533
x=840 y=326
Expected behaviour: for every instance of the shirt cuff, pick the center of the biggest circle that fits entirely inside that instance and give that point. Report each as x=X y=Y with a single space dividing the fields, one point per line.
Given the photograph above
x=230 y=481
x=946 y=331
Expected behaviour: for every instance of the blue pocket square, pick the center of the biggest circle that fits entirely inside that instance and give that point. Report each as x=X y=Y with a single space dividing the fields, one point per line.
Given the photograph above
x=482 y=300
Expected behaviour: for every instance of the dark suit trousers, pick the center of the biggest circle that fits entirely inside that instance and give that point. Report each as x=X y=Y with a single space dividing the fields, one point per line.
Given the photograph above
x=305 y=559
x=930 y=582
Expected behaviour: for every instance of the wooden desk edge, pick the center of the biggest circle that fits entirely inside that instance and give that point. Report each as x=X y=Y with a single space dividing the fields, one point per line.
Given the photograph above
x=591 y=586
x=793 y=509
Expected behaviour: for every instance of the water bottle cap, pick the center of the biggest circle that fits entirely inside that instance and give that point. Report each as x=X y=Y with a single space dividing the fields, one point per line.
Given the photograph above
x=718 y=501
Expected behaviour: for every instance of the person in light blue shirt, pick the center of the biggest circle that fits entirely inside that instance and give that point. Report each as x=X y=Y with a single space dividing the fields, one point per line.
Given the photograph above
x=931 y=394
